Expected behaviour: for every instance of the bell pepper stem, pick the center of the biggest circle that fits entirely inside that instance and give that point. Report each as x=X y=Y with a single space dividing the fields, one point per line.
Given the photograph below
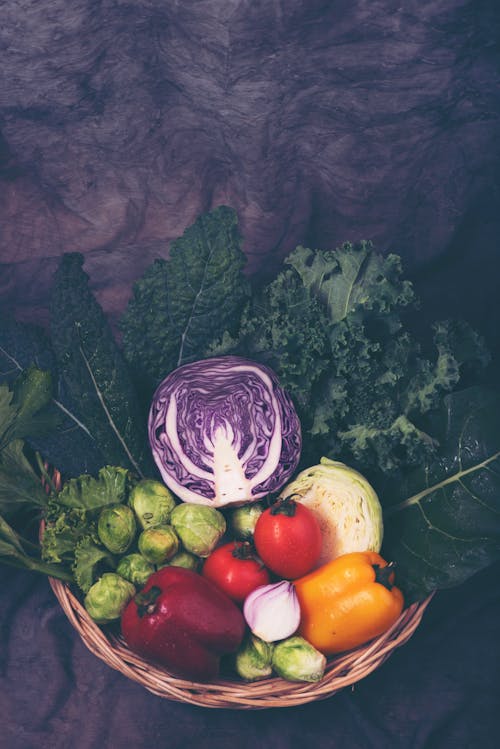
x=146 y=600
x=385 y=575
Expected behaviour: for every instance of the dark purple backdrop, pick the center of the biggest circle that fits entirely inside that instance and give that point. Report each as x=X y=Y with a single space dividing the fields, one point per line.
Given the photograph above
x=319 y=122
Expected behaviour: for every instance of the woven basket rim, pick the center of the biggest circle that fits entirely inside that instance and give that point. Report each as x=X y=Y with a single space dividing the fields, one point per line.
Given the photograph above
x=341 y=671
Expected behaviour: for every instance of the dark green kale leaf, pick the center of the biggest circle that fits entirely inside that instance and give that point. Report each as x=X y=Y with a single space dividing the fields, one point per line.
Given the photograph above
x=284 y=327
x=333 y=327
x=180 y=305
x=442 y=522
x=94 y=372
x=69 y=445
x=353 y=277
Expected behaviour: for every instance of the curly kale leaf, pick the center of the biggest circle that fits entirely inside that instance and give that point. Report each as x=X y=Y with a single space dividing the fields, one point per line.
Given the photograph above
x=285 y=328
x=93 y=370
x=353 y=277
x=333 y=327
x=181 y=304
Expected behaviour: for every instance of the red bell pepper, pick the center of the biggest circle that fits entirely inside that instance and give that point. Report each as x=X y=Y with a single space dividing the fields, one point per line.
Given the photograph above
x=184 y=622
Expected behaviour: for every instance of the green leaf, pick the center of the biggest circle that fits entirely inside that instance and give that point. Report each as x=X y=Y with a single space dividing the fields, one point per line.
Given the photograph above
x=88 y=493
x=94 y=371
x=285 y=328
x=443 y=524
x=352 y=276
x=23 y=407
x=180 y=305
x=63 y=530
x=12 y=553
x=20 y=486
x=69 y=445
x=91 y=560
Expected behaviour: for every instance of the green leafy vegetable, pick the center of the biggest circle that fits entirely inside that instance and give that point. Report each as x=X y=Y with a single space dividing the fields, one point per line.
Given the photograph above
x=23 y=408
x=64 y=530
x=70 y=446
x=332 y=326
x=18 y=552
x=91 y=559
x=93 y=369
x=285 y=327
x=22 y=412
x=72 y=514
x=88 y=493
x=447 y=526
x=181 y=304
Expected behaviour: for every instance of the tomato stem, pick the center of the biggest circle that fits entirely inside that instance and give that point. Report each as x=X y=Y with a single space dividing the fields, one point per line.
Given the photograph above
x=243 y=550
x=286 y=506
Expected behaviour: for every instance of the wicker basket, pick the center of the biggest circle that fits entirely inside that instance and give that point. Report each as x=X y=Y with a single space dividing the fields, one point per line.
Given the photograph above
x=342 y=671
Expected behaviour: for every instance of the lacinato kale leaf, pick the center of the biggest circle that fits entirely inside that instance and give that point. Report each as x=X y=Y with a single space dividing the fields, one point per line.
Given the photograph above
x=70 y=446
x=442 y=524
x=93 y=370
x=180 y=305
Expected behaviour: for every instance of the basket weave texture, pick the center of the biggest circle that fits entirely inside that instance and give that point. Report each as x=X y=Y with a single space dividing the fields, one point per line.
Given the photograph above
x=341 y=671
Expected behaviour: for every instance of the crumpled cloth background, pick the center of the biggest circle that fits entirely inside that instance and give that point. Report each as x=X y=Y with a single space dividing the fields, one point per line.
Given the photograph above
x=319 y=122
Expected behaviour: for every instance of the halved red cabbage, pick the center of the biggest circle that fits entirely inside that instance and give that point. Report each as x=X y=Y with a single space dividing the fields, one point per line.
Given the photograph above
x=223 y=431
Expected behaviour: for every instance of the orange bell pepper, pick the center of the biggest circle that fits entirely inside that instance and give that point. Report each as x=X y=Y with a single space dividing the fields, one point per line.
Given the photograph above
x=348 y=601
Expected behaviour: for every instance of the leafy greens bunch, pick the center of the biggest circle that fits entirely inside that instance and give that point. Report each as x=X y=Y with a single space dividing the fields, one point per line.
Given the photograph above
x=333 y=324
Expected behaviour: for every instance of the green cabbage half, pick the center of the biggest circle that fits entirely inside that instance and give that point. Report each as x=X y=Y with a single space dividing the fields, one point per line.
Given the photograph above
x=346 y=505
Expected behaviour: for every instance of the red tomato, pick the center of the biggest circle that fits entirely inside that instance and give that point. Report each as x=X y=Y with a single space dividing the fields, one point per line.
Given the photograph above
x=235 y=570
x=288 y=539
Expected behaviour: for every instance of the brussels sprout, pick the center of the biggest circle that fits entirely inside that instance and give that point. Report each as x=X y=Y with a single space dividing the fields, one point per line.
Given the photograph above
x=199 y=527
x=116 y=528
x=345 y=504
x=185 y=559
x=242 y=520
x=152 y=503
x=158 y=544
x=135 y=568
x=296 y=659
x=108 y=597
x=254 y=659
